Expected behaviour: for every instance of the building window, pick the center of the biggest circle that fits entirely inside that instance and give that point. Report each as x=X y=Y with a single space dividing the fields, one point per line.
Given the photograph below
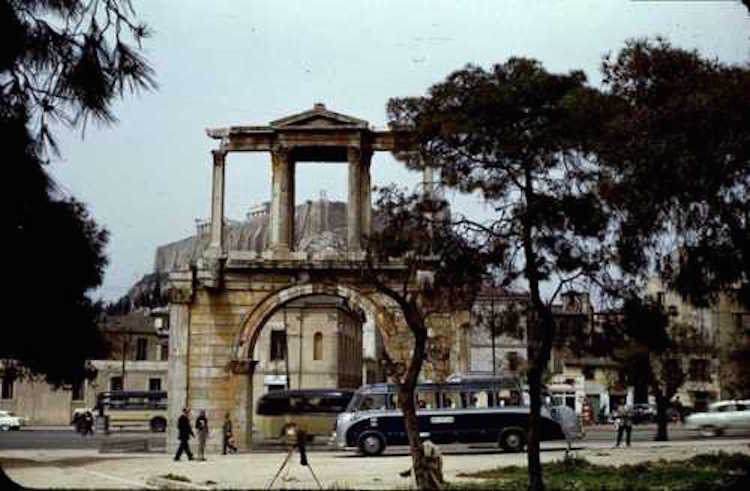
x=278 y=345
x=512 y=361
x=141 y=347
x=588 y=373
x=164 y=353
x=115 y=383
x=154 y=384
x=78 y=391
x=318 y=346
x=699 y=369
x=7 y=392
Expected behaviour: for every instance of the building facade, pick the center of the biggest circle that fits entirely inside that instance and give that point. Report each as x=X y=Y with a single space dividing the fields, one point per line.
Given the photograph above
x=314 y=342
x=138 y=362
x=495 y=340
x=710 y=368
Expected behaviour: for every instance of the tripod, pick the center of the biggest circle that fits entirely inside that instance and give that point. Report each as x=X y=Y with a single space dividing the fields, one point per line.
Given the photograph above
x=303 y=461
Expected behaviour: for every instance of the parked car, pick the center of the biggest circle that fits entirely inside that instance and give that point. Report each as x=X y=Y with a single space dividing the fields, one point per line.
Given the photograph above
x=9 y=421
x=643 y=413
x=721 y=416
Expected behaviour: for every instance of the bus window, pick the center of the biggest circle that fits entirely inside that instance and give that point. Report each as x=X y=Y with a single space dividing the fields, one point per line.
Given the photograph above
x=478 y=399
x=508 y=397
x=426 y=400
x=333 y=404
x=373 y=402
x=296 y=404
x=515 y=398
x=450 y=399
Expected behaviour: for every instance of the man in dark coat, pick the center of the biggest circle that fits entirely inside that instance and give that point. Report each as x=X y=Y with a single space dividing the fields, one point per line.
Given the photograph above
x=88 y=423
x=201 y=424
x=185 y=433
x=624 y=424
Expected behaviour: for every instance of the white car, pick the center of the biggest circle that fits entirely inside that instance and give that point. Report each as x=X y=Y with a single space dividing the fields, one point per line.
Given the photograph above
x=721 y=416
x=9 y=421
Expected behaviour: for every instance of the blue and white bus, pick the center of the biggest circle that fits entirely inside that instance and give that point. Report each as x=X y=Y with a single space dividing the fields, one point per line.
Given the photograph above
x=489 y=410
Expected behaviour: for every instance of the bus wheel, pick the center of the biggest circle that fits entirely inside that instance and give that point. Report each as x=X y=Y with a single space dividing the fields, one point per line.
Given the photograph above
x=158 y=425
x=371 y=444
x=512 y=439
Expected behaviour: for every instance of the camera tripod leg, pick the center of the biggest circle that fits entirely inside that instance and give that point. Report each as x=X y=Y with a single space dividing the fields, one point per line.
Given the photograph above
x=314 y=476
x=283 y=465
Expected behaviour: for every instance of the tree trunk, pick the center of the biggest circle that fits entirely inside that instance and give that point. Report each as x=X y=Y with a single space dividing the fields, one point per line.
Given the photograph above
x=536 y=480
x=662 y=402
x=540 y=330
x=425 y=479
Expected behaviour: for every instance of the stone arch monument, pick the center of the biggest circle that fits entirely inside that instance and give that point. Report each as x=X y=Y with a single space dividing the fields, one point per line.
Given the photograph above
x=218 y=307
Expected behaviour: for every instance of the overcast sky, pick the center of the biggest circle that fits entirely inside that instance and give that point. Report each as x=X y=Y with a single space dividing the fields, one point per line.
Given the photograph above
x=231 y=62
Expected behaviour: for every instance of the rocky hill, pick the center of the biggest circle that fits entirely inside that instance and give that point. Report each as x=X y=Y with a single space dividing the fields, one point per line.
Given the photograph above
x=319 y=226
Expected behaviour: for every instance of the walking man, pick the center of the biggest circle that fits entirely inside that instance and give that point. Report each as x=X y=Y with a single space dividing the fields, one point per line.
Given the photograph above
x=201 y=424
x=227 y=441
x=623 y=423
x=185 y=431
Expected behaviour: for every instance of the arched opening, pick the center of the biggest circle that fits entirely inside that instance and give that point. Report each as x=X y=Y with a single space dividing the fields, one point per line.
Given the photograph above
x=289 y=348
x=310 y=337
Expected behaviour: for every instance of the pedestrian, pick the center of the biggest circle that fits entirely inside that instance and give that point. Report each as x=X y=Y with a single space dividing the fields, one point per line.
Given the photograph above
x=227 y=438
x=185 y=432
x=201 y=425
x=679 y=408
x=88 y=423
x=623 y=424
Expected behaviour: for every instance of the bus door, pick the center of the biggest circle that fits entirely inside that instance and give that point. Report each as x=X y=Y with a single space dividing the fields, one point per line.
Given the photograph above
x=479 y=422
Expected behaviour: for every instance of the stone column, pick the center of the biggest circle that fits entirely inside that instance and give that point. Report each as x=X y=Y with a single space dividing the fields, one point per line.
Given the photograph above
x=366 y=191
x=354 y=204
x=217 y=202
x=282 y=201
x=177 y=381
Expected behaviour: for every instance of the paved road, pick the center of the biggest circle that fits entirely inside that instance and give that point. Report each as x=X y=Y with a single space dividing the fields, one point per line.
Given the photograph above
x=65 y=439
x=86 y=468
x=68 y=439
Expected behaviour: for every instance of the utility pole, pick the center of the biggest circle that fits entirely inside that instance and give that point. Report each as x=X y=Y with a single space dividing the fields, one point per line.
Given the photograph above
x=286 y=350
x=300 y=318
x=125 y=347
x=492 y=331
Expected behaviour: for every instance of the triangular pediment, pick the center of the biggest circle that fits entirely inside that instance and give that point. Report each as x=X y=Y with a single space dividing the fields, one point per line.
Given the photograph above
x=318 y=117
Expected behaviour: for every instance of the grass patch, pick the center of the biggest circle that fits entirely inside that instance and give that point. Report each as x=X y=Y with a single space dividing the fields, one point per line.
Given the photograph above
x=714 y=472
